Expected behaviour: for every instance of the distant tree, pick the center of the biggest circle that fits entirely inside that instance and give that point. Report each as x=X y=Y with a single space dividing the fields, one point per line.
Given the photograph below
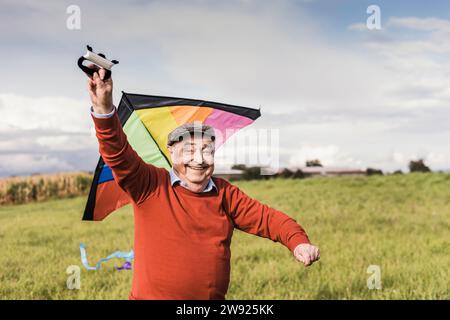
x=398 y=172
x=239 y=167
x=314 y=163
x=286 y=173
x=373 y=172
x=418 y=166
x=298 y=174
x=253 y=173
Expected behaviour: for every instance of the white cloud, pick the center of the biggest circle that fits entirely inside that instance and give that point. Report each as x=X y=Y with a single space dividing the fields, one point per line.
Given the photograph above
x=437 y=160
x=358 y=27
x=45 y=134
x=385 y=92
x=28 y=163
x=330 y=156
x=422 y=24
x=44 y=112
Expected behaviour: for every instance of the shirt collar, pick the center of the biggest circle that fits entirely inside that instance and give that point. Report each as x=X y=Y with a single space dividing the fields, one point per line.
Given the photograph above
x=174 y=179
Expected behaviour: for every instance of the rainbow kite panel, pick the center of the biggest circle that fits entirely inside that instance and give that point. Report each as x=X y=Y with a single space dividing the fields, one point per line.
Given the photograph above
x=147 y=121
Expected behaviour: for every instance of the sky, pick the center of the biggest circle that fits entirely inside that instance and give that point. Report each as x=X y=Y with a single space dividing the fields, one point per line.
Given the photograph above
x=328 y=87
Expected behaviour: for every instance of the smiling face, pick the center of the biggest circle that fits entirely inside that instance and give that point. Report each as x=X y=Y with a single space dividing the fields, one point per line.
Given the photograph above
x=193 y=160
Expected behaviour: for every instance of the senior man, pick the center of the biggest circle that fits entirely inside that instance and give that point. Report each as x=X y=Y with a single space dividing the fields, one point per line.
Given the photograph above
x=184 y=219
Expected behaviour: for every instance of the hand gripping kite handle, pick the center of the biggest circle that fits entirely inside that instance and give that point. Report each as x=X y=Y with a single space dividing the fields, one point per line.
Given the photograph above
x=99 y=59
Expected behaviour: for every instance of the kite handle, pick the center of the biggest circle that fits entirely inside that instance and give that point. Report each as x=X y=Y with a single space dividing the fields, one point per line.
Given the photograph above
x=99 y=60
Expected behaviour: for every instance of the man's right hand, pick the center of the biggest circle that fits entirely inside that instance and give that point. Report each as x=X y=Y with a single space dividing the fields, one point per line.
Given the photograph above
x=100 y=91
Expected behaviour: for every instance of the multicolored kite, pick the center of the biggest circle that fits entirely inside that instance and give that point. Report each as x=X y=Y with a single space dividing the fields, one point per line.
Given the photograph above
x=147 y=121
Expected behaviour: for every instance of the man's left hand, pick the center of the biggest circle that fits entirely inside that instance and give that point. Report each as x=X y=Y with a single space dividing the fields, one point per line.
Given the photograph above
x=306 y=253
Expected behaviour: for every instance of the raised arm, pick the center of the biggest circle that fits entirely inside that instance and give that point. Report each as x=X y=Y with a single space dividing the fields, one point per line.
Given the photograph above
x=137 y=178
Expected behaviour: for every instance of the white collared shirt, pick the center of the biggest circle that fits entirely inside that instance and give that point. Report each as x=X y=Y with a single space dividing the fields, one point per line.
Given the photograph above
x=174 y=179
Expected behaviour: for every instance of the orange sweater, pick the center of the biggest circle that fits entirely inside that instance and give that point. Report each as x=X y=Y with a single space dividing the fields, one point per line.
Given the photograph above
x=182 y=238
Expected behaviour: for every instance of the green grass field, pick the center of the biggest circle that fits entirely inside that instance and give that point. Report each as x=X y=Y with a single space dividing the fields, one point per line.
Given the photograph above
x=401 y=223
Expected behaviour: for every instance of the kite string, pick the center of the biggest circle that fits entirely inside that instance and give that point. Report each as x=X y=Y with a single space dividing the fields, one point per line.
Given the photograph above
x=128 y=256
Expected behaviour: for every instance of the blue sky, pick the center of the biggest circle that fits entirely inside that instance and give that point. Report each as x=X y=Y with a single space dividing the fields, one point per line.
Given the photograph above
x=333 y=89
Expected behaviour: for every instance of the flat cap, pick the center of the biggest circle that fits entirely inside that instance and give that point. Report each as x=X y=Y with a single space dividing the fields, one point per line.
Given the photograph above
x=187 y=129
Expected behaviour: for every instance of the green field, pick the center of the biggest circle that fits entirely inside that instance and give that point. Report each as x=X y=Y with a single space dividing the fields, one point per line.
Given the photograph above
x=399 y=222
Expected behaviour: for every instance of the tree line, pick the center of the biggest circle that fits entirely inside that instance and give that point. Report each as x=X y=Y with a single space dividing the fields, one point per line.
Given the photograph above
x=254 y=172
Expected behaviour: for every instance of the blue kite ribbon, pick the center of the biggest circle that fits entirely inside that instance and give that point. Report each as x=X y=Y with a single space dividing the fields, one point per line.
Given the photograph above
x=128 y=256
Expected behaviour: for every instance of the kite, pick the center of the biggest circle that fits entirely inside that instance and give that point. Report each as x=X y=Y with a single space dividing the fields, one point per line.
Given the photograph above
x=147 y=120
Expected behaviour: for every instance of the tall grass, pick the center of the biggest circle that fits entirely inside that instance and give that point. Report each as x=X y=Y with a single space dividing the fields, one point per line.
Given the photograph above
x=17 y=190
x=400 y=223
